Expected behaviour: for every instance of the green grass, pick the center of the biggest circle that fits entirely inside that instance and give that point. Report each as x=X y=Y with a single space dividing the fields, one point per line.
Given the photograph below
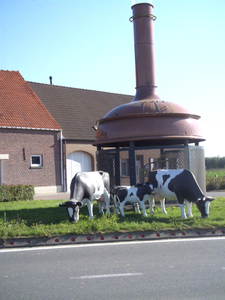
x=44 y=218
x=214 y=172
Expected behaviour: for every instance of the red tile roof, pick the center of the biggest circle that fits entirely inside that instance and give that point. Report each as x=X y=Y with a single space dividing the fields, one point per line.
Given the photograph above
x=20 y=106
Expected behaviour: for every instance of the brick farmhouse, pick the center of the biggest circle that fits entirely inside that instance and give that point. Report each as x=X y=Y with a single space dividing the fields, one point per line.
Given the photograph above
x=47 y=131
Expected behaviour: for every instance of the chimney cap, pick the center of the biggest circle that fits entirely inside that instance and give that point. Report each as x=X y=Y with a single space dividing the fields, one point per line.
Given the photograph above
x=134 y=2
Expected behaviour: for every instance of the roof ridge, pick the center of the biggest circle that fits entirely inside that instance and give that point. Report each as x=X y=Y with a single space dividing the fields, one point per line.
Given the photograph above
x=68 y=87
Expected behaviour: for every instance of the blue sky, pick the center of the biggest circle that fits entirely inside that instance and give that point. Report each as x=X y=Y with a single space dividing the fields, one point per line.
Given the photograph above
x=89 y=44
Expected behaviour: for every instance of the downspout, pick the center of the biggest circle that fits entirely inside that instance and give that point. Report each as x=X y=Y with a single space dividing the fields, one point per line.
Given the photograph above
x=64 y=165
x=61 y=162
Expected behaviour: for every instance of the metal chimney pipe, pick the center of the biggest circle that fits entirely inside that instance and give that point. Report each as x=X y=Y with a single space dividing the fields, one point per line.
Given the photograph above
x=50 y=78
x=143 y=19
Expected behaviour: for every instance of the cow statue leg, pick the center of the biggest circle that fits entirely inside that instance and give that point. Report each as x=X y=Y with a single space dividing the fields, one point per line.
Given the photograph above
x=90 y=207
x=121 y=207
x=189 y=205
x=101 y=206
x=116 y=205
x=151 y=204
x=143 y=208
x=103 y=201
x=181 y=200
x=78 y=214
x=182 y=209
x=107 y=200
x=136 y=208
x=163 y=207
x=78 y=210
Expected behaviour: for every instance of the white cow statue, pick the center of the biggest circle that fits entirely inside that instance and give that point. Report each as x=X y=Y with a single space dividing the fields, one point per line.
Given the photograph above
x=86 y=187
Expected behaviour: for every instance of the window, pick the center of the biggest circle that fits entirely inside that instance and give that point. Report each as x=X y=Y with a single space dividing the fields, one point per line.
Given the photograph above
x=124 y=167
x=36 y=161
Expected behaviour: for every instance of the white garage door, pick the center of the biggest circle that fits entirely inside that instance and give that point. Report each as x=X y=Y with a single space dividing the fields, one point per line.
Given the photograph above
x=77 y=162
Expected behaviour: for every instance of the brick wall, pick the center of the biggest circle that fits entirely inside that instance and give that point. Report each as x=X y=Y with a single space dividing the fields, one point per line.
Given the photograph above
x=17 y=169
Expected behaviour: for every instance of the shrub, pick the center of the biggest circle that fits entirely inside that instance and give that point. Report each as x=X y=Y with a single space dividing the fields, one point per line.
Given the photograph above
x=215 y=183
x=16 y=193
x=4 y=194
x=28 y=192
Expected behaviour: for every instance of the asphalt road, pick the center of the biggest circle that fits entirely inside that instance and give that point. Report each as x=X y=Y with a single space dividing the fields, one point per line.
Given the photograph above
x=166 y=269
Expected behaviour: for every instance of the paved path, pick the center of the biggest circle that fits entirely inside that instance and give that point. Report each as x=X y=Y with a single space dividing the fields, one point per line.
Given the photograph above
x=216 y=193
x=66 y=196
x=55 y=196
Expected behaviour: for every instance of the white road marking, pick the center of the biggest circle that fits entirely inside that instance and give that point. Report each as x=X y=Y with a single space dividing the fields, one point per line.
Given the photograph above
x=107 y=276
x=183 y=240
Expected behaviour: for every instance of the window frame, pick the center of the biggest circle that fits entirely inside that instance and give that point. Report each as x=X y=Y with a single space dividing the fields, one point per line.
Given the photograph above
x=32 y=165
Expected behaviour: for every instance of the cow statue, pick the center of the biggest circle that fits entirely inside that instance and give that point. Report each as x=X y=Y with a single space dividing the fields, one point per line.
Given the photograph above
x=181 y=185
x=86 y=187
x=116 y=202
x=138 y=194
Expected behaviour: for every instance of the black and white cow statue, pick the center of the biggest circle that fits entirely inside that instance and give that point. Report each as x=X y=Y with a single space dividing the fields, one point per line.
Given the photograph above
x=136 y=195
x=116 y=202
x=86 y=187
x=181 y=185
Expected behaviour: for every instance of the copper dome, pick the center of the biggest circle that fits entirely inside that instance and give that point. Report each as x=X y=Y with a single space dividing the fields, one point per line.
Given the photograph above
x=147 y=120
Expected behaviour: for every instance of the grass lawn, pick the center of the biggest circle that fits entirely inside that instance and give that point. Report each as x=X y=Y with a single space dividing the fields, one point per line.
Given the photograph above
x=214 y=172
x=44 y=218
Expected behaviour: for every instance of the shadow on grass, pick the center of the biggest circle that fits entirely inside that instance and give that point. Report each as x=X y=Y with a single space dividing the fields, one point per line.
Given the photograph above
x=47 y=216
x=50 y=215
x=164 y=219
x=44 y=215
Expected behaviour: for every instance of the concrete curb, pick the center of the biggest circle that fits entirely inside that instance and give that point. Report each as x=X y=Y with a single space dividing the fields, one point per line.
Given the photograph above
x=110 y=237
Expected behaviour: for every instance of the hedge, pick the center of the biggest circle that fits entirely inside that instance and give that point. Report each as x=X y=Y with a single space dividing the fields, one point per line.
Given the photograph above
x=16 y=193
x=215 y=183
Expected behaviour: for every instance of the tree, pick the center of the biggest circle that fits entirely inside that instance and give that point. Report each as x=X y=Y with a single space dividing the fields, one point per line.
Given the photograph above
x=215 y=162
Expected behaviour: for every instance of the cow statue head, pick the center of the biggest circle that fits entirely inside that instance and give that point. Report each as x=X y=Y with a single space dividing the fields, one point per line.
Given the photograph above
x=72 y=209
x=203 y=206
